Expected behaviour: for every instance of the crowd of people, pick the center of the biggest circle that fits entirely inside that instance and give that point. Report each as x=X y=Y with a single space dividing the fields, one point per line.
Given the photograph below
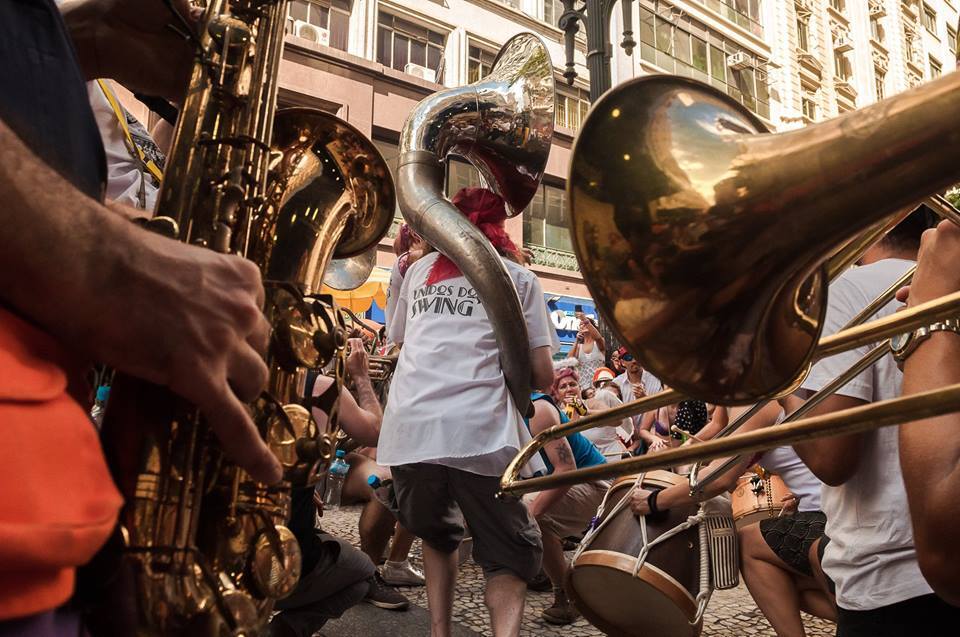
x=865 y=536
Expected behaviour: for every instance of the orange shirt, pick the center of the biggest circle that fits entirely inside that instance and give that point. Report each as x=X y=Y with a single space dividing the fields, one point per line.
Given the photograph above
x=58 y=503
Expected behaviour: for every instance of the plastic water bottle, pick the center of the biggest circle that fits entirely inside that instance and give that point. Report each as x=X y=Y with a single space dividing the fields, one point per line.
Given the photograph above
x=100 y=405
x=381 y=489
x=335 y=478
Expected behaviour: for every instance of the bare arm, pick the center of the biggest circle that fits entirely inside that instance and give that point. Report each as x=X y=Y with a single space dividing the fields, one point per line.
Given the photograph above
x=362 y=421
x=720 y=419
x=541 y=368
x=833 y=460
x=161 y=310
x=129 y=41
x=930 y=449
x=558 y=451
x=679 y=494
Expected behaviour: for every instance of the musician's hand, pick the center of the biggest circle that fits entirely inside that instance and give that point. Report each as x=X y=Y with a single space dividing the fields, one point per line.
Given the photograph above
x=658 y=445
x=188 y=318
x=638 y=501
x=790 y=503
x=130 y=41
x=937 y=274
x=358 y=362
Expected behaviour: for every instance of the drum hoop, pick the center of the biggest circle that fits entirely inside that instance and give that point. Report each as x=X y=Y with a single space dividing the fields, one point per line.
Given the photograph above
x=658 y=478
x=656 y=577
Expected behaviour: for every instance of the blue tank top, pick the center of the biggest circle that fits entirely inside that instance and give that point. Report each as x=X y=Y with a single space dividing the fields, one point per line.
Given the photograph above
x=585 y=453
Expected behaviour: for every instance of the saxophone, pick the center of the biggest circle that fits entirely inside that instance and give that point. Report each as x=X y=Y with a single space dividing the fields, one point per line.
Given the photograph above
x=205 y=548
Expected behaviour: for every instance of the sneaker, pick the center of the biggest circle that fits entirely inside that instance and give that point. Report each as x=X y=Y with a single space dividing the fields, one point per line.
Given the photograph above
x=401 y=574
x=562 y=612
x=383 y=596
x=541 y=583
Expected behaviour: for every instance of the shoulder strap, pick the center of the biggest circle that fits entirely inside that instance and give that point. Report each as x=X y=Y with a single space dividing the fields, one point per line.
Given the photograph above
x=135 y=151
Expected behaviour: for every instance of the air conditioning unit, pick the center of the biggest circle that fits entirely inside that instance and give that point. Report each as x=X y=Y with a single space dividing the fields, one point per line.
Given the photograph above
x=739 y=61
x=311 y=32
x=876 y=9
x=842 y=43
x=421 y=71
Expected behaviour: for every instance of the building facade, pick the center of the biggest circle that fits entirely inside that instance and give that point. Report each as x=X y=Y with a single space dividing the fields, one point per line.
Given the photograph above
x=792 y=62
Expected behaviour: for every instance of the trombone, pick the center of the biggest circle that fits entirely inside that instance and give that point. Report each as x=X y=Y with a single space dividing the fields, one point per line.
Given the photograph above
x=753 y=175
x=881 y=414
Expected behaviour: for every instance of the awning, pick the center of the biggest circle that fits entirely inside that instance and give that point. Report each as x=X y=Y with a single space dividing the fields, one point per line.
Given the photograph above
x=359 y=299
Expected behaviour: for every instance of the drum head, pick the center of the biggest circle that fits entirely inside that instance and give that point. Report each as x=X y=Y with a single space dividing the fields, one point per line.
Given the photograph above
x=652 y=604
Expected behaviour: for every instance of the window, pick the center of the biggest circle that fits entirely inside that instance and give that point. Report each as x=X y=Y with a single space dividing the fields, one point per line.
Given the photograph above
x=803 y=34
x=545 y=220
x=879 y=82
x=909 y=50
x=570 y=110
x=745 y=13
x=839 y=5
x=391 y=154
x=461 y=174
x=841 y=67
x=684 y=46
x=332 y=15
x=400 y=42
x=552 y=10
x=952 y=39
x=929 y=19
x=479 y=64
x=808 y=104
x=936 y=69
x=876 y=30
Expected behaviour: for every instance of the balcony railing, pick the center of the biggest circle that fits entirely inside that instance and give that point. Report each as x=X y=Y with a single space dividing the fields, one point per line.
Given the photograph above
x=553 y=258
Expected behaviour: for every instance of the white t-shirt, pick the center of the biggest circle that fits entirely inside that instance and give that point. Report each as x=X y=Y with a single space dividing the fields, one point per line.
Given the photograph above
x=871 y=557
x=124 y=175
x=393 y=291
x=650 y=382
x=607 y=439
x=785 y=462
x=449 y=403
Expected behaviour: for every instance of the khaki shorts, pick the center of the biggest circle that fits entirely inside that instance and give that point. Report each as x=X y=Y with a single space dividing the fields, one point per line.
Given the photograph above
x=570 y=516
x=434 y=500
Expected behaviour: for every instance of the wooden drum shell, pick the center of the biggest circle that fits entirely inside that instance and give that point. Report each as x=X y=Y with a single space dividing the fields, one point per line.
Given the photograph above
x=661 y=600
x=749 y=507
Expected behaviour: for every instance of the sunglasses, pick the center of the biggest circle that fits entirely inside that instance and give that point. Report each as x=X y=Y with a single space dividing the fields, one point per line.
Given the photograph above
x=626 y=358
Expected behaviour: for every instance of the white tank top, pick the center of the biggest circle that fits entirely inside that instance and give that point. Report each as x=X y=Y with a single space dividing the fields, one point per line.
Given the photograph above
x=785 y=462
x=589 y=363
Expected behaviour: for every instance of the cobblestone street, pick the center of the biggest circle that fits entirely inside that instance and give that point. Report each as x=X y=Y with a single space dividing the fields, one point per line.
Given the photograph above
x=731 y=613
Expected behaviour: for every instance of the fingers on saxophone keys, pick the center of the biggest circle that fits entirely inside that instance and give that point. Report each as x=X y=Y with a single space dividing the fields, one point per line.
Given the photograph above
x=240 y=439
x=247 y=373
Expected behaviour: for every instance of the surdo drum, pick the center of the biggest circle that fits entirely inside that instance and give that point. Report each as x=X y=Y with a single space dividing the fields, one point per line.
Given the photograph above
x=650 y=576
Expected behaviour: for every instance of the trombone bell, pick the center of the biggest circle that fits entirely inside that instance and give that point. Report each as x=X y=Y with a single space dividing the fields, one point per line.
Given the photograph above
x=702 y=237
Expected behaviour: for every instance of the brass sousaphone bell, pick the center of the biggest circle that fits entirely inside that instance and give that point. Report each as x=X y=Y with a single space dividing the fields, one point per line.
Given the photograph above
x=503 y=125
x=703 y=237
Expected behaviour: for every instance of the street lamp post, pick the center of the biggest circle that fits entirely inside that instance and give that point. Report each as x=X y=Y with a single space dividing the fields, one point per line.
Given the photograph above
x=595 y=15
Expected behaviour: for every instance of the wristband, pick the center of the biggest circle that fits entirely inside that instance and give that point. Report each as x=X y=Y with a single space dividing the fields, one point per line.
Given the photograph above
x=652 y=501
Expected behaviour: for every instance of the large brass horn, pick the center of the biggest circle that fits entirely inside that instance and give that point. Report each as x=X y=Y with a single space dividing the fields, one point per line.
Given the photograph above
x=503 y=125
x=350 y=273
x=702 y=237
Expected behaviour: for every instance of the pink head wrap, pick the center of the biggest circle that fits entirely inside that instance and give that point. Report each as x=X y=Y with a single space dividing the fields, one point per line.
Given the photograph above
x=487 y=211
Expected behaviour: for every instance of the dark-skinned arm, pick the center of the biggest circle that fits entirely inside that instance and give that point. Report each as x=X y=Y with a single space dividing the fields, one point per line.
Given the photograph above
x=836 y=459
